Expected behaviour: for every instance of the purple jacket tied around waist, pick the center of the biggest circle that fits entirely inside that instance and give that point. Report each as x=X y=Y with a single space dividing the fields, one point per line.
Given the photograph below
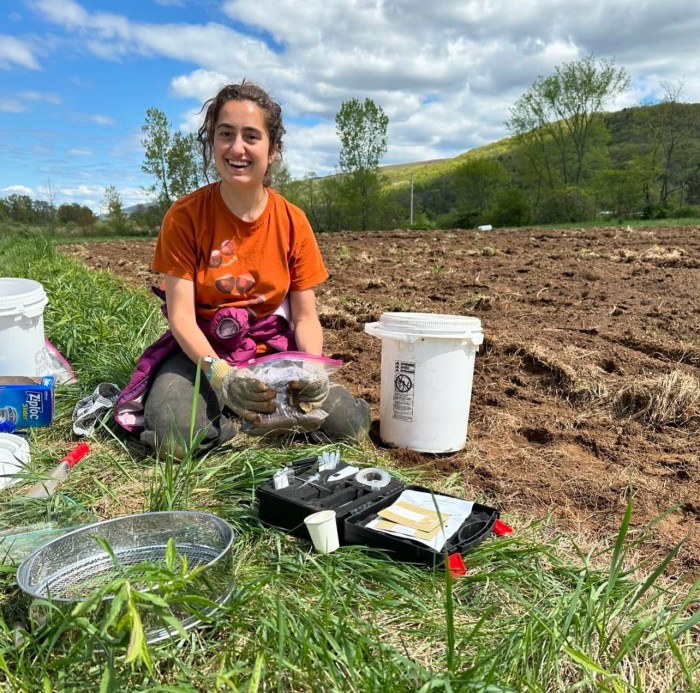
x=232 y=335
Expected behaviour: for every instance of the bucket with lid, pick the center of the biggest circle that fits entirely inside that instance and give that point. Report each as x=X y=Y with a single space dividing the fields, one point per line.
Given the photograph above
x=22 y=303
x=426 y=379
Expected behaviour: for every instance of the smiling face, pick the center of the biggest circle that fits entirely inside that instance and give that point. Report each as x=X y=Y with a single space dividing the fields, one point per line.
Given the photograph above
x=242 y=151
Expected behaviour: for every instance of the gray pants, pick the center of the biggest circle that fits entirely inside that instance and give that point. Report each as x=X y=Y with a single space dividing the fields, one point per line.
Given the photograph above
x=172 y=411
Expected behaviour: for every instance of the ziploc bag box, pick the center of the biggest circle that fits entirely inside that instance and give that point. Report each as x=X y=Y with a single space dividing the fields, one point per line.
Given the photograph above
x=27 y=401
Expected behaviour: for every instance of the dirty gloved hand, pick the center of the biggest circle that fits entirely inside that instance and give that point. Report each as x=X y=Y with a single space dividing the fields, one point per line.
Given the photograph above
x=241 y=392
x=309 y=390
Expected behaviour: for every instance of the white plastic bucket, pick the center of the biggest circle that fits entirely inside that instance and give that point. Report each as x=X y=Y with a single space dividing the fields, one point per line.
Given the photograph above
x=14 y=454
x=426 y=379
x=22 y=303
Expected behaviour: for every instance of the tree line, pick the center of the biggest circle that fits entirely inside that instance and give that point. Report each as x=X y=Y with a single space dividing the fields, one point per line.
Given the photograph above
x=25 y=210
x=567 y=160
x=21 y=211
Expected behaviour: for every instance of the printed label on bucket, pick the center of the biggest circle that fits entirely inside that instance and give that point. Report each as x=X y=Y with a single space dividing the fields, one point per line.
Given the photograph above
x=404 y=380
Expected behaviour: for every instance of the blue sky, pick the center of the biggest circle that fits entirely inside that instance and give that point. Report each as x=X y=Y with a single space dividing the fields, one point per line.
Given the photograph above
x=77 y=77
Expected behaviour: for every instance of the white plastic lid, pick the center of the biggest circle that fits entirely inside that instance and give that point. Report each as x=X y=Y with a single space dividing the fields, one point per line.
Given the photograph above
x=21 y=296
x=14 y=452
x=430 y=324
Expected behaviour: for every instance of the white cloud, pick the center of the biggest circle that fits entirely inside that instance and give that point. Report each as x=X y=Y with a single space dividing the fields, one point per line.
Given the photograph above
x=54 y=99
x=12 y=106
x=200 y=84
x=99 y=119
x=80 y=151
x=15 y=52
x=92 y=196
x=65 y=12
x=17 y=190
x=18 y=104
x=85 y=190
x=319 y=54
x=112 y=36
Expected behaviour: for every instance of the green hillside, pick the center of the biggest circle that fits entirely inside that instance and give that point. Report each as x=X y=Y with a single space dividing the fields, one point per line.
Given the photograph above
x=629 y=133
x=396 y=175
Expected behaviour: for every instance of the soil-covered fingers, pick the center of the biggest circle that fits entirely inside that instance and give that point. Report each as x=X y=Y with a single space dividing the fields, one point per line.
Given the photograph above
x=257 y=391
x=247 y=396
x=250 y=416
x=308 y=390
x=256 y=396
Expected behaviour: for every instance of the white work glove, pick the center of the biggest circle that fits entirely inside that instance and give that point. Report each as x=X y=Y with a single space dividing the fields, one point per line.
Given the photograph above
x=309 y=391
x=241 y=392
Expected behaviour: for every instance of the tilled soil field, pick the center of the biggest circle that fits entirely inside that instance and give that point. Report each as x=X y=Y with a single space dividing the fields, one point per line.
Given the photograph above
x=587 y=387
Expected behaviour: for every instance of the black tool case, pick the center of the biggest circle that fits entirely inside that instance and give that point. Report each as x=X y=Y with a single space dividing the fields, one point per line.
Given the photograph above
x=356 y=505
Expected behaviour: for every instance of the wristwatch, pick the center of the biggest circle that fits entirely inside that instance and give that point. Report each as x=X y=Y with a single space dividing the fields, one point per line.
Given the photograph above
x=211 y=360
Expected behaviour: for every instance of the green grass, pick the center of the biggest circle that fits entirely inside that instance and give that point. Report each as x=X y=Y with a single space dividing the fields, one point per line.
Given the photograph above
x=535 y=611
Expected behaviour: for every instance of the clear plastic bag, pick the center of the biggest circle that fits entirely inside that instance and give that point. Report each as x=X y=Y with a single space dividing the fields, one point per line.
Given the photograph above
x=277 y=371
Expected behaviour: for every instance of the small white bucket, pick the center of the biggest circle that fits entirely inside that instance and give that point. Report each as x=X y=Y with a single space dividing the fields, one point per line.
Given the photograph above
x=22 y=303
x=426 y=379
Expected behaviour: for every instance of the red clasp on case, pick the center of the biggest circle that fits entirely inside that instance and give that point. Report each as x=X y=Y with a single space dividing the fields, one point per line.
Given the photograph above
x=456 y=566
x=500 y=529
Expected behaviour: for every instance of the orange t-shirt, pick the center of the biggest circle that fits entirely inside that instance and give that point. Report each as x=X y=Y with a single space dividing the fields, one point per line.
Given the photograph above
x=238 y=263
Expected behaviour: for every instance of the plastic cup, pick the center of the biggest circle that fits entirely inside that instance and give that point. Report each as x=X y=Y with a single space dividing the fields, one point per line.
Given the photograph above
x=323 y=530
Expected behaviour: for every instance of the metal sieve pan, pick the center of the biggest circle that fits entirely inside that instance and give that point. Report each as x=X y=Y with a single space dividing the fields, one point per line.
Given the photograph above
x=68 y=569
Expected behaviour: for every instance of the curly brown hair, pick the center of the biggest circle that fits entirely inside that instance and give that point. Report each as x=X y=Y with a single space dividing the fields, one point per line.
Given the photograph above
x=245 y=91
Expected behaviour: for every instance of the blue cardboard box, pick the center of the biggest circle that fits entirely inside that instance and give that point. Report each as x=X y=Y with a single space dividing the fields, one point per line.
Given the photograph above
x=26 y=401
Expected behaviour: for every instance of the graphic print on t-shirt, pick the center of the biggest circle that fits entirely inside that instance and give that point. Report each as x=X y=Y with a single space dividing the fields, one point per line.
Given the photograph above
x=229 y=283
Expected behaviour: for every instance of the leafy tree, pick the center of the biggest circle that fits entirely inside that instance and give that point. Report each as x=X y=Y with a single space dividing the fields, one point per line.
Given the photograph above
x=116 y=217
x=330 y=196
x=568 y=204
x=146 y=218
x=620 y=192
x=692 y=188
x=671 y=124
x=43 y=212
x=171 y=158
x=184 y=173
x=156 y=144
x=74 y=213
x=510 y=208
x=50 y=192
x=305 y=194
x=21 y=208
x=476 y=182
x=361 y=128
x=281 y=178
x=557 y=119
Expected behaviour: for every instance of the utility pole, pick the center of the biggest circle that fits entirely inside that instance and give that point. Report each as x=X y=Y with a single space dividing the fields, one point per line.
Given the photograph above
x=411 y=199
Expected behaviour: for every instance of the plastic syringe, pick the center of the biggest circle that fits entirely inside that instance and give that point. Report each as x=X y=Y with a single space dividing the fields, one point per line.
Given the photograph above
x=47 y=487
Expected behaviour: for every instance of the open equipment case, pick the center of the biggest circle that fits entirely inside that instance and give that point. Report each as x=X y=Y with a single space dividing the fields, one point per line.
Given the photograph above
x=356 y=505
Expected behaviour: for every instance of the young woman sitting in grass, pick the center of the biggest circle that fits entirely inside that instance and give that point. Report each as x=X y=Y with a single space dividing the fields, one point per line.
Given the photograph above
x=240 y=266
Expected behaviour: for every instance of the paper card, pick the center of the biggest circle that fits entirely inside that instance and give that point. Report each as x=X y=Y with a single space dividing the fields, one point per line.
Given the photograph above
x=456 y=509
x=410 y=515
x=403 y=531
x=414 y=507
